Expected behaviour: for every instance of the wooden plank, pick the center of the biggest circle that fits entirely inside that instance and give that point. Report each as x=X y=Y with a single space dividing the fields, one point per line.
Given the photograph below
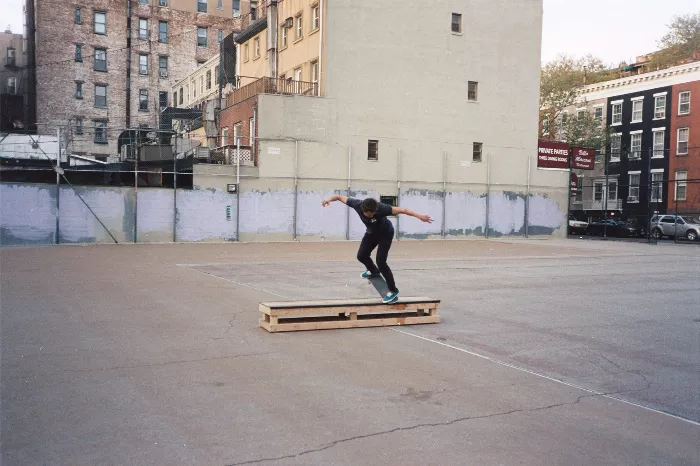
x=344 y=302
x=361 y=309
x=338 y=324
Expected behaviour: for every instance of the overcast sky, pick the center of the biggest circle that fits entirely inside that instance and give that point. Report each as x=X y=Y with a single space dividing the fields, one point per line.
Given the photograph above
x=614 y=30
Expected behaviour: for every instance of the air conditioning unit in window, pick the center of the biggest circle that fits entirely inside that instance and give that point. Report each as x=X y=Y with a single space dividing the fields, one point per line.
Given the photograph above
x=163 y=73
x=162 y=2
x=632 y=199
x=288 y=23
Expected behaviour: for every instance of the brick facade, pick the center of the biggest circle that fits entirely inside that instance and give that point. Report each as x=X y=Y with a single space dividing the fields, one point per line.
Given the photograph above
x=57 y=70
x=690 y=162
x=241 y=112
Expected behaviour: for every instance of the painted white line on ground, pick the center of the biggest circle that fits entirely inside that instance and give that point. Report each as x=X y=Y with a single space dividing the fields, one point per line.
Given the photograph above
x=578 y=387
x=238 y=283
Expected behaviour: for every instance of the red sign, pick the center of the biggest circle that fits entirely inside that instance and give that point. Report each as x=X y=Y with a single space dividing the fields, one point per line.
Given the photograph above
x=552 y=155
x=583 y=159
x=574 y=181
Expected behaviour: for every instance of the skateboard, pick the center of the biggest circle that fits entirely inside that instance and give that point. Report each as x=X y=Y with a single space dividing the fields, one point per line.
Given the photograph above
x=379 y=285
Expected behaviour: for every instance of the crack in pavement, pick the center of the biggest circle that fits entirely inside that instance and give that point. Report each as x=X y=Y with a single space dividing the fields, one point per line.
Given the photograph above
x=629 y=371
x=418 y=426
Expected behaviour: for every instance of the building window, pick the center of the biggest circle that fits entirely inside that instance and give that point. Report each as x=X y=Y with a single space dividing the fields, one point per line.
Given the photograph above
x=473 y=91
x=11 y=56
x=251 y=130
x=187 y=92
x=477 y=148
x=201 y=85
x=634 y=187
x=208 y=79
x=300 y=26
x=657 y=188
x=612 y=190
x=283 y=35
x=202 y=37
x=143 y=100
x=11 y=85
x=580 y=114
x=236 y=8
x=100 y=132
x=297 y=74
x=636 y=146
x=220 y=35
x=545 y=125
x=659 y=136
x=615 y=147
x=637 y=108
x=389 y=200
x=372 y=149
x=143 y=2
x=216 y=75
x=617 y=113
x=237 y=132
x=220 y=5
x=100 y=96
x=224 y=136
x=578 y=195
x=79 y=125
x=598 y=191
x=162 y=2
x=256 y=47
x=100 y=23
x=659 y=107
x=253 y=10
x=314 y=71
x=182 y=96
x=315 y=18
x=163 y=66
x=143 y=29
x=682 y=147
x=684 y=103
x=143 y=64
x=163 y=31
x=246 y=52
x=175 y=98
x=202 y=6
x=456 y=22
x=681 y=185
x=100 y=60
x=78 y=53
x=78 y=89
x=599 y=156
x=78 y=16
x=599 y=114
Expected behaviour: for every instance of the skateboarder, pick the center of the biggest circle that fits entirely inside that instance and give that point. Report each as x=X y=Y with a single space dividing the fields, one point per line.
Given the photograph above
x=380 y=233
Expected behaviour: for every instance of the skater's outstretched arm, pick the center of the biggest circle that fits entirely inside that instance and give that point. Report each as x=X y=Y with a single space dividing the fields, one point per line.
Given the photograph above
x=333 y=198
x=402 y=210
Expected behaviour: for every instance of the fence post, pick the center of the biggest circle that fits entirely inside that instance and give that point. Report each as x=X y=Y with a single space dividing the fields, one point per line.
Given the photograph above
x=398 y=194
x=527 y=202
x=175 y=191
x=58 y=186
x=488 y=192
x=238 y=187
x=444 y=191
x=296 y=187
x=347 y=213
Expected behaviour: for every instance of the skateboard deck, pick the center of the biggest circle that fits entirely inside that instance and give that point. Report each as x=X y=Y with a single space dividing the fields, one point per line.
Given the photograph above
x=380 y=285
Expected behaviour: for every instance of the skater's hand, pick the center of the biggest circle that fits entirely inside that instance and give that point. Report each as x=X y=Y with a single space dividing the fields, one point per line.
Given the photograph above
x=426 y=218
x=325 y=203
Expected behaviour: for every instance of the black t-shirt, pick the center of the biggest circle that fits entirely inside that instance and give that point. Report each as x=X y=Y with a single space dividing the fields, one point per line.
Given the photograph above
x=377 y=225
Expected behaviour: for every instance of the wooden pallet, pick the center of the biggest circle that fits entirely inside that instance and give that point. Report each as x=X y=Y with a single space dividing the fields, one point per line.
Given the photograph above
x=290 y=316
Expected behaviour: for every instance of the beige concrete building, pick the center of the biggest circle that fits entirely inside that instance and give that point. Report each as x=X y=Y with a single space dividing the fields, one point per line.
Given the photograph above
x=111 y=65
x=13 y=82
x=443 y=121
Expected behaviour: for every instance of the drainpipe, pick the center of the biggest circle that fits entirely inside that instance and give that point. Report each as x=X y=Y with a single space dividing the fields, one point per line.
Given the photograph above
x=128 y=65
x=320 y=45
x=272 y=27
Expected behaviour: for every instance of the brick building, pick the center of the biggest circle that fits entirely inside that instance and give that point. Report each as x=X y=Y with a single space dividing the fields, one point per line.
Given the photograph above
x=13 y=82
x=684 y=159
x=109 y=65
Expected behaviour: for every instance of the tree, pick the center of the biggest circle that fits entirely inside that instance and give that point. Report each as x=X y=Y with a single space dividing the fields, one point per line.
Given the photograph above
x=584 y=130
x=679 y=43
x=560 y=80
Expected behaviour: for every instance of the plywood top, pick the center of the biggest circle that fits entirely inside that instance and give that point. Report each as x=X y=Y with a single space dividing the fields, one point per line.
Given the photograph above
x=347 y=302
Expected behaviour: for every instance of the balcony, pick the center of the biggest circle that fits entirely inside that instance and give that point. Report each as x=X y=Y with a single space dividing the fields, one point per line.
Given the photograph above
x=228 y=155
x=613 y=204
x=272 y=86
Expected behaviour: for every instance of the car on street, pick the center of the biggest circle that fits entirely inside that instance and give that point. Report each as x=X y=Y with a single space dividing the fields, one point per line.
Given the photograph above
x=577 y=227
x=616 y=228
x=675 y=226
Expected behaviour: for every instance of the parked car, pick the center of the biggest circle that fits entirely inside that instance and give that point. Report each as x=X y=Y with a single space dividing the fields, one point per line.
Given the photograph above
x=675 y=226
x=576 y=227
x=615 y=227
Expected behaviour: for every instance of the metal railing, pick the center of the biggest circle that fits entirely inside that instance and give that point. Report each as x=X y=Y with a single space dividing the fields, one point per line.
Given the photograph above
x=272 y=86
x=228 y=155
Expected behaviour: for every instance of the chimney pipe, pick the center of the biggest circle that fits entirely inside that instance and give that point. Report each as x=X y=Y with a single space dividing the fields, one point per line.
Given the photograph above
x=272 y=28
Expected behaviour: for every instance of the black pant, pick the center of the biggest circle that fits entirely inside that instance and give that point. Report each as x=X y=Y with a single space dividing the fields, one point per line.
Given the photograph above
x=369 y=242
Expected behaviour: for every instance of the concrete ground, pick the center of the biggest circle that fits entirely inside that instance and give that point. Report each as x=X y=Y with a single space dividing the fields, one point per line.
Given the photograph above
x=549 y=352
